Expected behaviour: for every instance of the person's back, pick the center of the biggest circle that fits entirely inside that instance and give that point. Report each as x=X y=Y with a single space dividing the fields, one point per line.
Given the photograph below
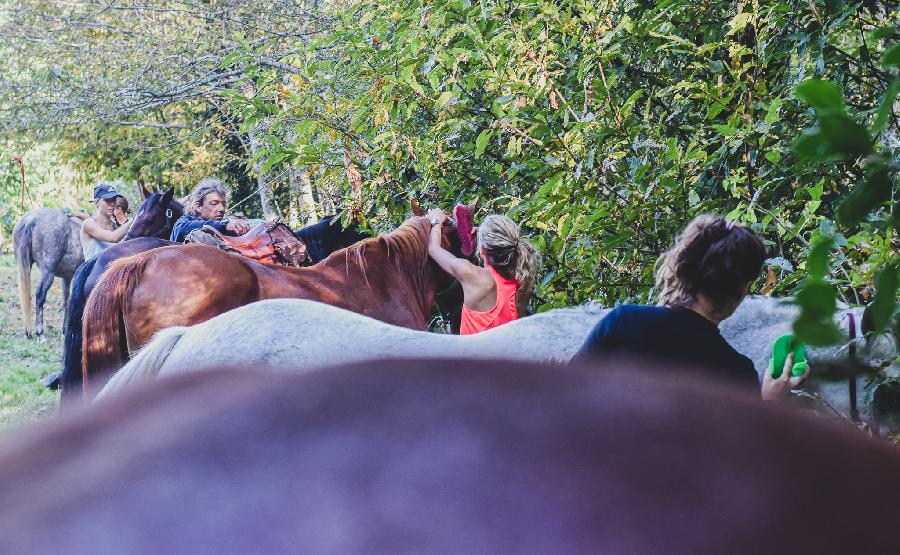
x=503 y=311
x=701 y=281
x=671 y=335
x=497 y=293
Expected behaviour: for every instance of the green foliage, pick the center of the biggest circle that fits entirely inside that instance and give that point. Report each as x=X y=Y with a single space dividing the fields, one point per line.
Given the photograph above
x=604 y=127
x=816 y=298
x=885 y=304
x=837 y=137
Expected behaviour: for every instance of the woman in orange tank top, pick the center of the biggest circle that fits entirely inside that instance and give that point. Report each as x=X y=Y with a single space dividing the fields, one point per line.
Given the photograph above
x=499 y=292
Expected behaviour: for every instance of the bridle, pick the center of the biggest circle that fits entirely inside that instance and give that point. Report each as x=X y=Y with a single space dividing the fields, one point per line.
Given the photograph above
x=443 y=320
x=164 y=231
x=167 y=225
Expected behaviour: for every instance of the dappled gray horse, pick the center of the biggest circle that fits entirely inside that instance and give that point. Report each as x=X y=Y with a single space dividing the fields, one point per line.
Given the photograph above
x=50 y=239
x=301 y=335
x=760 y=320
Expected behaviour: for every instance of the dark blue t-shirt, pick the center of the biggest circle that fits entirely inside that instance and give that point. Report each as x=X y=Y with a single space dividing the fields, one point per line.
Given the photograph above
x=669 y=335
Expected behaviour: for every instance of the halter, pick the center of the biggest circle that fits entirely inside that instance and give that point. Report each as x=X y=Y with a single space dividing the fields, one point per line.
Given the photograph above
x=167 y=226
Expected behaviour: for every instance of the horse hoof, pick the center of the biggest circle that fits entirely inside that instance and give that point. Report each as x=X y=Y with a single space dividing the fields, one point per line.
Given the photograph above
x=52 y=381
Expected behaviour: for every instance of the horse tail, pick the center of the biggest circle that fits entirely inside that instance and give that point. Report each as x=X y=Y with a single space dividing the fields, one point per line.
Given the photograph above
x=146 y=364
x=70 y=379
x=104 y=344
x=24 y=260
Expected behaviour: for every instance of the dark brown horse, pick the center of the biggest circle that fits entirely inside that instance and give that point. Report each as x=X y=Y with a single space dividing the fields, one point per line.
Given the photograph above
x=454 y=456
x=390 y=278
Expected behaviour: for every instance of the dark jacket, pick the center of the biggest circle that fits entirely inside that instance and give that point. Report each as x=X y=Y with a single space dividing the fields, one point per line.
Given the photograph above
x=189 y=223
x=669 y=336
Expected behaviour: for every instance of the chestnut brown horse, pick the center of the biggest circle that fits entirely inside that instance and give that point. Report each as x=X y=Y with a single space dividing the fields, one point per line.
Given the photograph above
x=390 y=278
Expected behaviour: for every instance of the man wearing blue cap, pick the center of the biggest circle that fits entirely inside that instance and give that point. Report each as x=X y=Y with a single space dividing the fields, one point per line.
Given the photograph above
x=100 y=232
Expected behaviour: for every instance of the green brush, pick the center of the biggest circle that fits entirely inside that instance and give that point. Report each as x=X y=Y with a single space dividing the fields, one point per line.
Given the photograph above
x=780 y=349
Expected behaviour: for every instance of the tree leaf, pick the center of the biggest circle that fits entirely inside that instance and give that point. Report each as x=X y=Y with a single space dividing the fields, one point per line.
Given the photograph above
x=817 y=260
x=739 y=22
x=443 y=99
x=772 y=113
x=844 y=135
x=891 y=56
x=481 y=142
x=813 y=145
x=885 y=303
x=866 y=196
x=822 y=95
x=816 y=332
x=884 y=109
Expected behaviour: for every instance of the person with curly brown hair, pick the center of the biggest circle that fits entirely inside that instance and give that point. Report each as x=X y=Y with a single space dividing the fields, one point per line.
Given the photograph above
x=701 y=281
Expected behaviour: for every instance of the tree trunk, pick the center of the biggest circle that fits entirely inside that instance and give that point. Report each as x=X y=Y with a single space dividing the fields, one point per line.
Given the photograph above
x=262 y=179
x=326 y=202
x=302 y=209
x=307 y=202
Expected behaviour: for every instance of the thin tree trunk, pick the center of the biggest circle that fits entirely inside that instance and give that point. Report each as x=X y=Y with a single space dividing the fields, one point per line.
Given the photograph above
x=302 y=209
x=307 y=201
x=325 y=200
x=294 y=218
x=262 y=179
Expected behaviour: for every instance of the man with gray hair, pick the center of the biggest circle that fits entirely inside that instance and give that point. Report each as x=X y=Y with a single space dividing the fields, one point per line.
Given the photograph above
x=208 y=208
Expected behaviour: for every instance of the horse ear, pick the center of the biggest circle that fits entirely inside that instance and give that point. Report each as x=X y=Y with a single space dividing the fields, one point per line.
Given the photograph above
x=473 y=207
x=143 y=190
x=167 y=196
x=416 y=208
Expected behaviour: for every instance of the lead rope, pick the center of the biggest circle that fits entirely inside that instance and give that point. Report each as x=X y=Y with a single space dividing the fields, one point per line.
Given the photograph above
x=851 y=383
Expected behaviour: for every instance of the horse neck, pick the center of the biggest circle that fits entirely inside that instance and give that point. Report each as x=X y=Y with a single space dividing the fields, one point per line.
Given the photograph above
x=400 y=260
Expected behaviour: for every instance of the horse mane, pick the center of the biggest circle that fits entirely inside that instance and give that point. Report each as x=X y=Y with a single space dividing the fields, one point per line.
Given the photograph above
x=409 y=242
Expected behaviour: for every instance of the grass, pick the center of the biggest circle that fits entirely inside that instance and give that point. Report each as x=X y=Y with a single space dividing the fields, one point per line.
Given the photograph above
x=24 y=362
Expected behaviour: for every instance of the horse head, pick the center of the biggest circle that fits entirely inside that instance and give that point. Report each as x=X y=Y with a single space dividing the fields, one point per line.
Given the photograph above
x=156 y=216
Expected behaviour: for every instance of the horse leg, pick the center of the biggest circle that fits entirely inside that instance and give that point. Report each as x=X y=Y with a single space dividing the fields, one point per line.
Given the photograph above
x=43 y=288
x=66 y=283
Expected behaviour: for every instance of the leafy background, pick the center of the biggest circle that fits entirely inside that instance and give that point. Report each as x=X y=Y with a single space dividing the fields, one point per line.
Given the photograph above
x=602 y=127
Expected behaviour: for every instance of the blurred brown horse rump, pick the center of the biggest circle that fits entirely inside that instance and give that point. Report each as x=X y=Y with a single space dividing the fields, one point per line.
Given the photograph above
x=445 y=457
x=390 y=278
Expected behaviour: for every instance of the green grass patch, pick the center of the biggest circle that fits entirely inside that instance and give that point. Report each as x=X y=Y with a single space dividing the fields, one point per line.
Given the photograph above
x=24 y=362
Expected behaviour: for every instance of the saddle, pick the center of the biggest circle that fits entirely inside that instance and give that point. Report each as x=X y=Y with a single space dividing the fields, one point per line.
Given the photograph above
x=269 y=242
